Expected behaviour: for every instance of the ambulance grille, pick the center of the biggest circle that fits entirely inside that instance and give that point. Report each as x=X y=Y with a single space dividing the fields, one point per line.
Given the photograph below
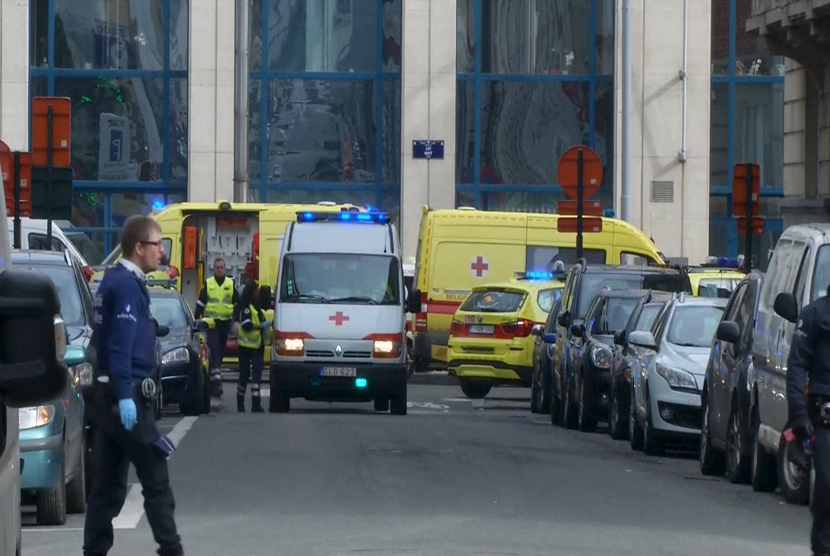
x=319 y=353
x=357 y=354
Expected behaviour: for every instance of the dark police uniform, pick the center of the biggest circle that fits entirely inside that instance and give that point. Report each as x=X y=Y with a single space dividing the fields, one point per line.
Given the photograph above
x=126 y=337
x=809 y=359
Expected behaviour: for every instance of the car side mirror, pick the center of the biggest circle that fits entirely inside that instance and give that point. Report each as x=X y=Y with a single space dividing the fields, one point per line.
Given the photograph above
x=161 y=330
x=538 y=330
x=643 y=339
x=413 y=303
x=786 y=306
x=619 y=338
x=265 y=297
x=728 y=331
x=200 y=326
x=550 y=338
x=564 y=319
x=578 y=330
x=33 y=336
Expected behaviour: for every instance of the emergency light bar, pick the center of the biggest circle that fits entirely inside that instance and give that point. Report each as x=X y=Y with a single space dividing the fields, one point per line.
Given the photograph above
x=361 y=217
x=724 y=262
x=537 y=275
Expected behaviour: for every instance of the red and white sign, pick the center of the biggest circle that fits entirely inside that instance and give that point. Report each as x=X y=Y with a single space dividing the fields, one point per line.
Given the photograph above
x=479 y=266
x=339 y=318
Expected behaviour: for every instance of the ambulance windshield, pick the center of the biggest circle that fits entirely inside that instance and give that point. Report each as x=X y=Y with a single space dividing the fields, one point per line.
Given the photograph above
x=340 y=278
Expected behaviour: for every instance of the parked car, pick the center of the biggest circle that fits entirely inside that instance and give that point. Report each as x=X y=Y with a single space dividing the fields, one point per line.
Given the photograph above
x=726 y=436
x=185 y=367
x=583 y=283
x=798 y=274
x=624 y=359
x=55 y=437
x=665 y=397
x=608 y=313
x=541 y=387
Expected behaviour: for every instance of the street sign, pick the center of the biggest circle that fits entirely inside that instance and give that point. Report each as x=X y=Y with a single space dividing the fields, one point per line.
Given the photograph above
x=426 y=149
x=61 y=130
x=570 y=207
x=568 y=171
x=757 y=226
x=568 y=225
x=746 y=205
x=59 y=195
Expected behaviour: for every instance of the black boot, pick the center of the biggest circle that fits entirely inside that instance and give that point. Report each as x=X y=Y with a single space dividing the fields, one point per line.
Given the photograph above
x=256 y=405
x=240 y=404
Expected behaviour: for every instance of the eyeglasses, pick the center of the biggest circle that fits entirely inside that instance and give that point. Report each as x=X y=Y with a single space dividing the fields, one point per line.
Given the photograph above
x=156 y=243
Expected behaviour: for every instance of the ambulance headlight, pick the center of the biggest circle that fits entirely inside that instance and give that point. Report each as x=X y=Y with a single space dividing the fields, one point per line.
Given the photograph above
x=290 y=343
x=385 y=346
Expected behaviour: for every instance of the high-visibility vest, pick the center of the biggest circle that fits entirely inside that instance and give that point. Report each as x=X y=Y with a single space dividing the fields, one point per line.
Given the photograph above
x=220 y=299
x=253 y=338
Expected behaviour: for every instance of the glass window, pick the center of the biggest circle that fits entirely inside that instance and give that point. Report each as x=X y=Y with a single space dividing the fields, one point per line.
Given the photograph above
x=178 y=130
x=719 y=172
x=465 y=131
x=66 y=283
x=720 y=38
x=88 y=209
x=37 y=242
x=110 y=34
x=605 y=37
x=391 y=132
x=322 y=35
x=321 y=131
x=694 y=326
x=116 y=127
x=255 y=46
x=647 y=316
x=179 y=36
x=340 y=278
x=255 y=100
x=392 y=35
x=752 y=56
x=821 y=276
x=615 y=314
x=124 y=205
x=593 y=283
x=717 y=287
x=82 y=241
x=39 y=34
x=168 y=311
x=759 y=129
x=803 y=272
x=310 y=196
x=465 y=48
x=546 y=298
x=536 y=36
x=493 y=301
x=465 y=199
x=543 y=258
x=550 y=323
x=521 y=201
x=745 y=317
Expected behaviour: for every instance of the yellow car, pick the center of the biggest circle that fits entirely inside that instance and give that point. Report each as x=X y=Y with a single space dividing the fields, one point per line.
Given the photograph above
x=717 y=278
x=491 y=335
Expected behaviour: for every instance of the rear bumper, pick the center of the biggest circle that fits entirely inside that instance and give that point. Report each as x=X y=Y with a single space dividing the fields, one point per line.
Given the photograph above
x=305 y=380
x=492 y=370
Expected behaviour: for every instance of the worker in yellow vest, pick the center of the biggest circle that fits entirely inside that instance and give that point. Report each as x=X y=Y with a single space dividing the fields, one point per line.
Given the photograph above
x=216 y=301
x=252 y=329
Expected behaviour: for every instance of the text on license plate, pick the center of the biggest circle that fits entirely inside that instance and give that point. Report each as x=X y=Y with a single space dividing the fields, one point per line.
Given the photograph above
x=339 y=371
x=479 y=329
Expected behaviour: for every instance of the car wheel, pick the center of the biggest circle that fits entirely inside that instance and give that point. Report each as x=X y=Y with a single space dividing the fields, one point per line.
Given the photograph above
x=193 y=406
x=711 y=459
x=762 y=470
x=381 y=404
x=737 y=462
x=617 y=425
x=475 y=389
x=545 y=394
x=76 y=489
x=652 y=443
x=398 y=402
x=635 y=433
x=587 y=417
x=794 y=482
x=51 y=504
x=534 y=392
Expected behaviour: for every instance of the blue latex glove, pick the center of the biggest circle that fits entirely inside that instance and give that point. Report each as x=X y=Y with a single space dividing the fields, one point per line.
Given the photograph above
x=266 y=325
x=128 y=413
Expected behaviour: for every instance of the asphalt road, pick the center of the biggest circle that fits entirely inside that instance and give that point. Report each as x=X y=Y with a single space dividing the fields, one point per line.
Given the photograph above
x=451 y=478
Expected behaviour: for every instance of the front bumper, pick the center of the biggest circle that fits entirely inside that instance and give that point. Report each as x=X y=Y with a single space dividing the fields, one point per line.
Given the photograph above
x=179 y=382
x=305 y=380
x=42 y=455
x=674 y=412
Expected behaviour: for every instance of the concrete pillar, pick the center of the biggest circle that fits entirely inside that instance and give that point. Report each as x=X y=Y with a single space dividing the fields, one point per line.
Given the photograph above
x=211 y=100
x=14 y=74
x=669 y=199
x=428 y=110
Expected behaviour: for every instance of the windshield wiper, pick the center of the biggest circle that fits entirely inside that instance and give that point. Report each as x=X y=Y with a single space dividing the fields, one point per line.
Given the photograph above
x=353 y=299
x=688 y=345
x=313 y=296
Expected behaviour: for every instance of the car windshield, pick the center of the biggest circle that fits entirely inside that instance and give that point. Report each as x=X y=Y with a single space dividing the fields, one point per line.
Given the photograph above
x=72 y=308
x=716 y=287
x=493 y=301
x=593 y=283
x=646 y=318
x=83 y=244
x=821 y=279
x=340 y=278
x=615 y=315
x=168 y=311
x=694 y=326
x=547 y=298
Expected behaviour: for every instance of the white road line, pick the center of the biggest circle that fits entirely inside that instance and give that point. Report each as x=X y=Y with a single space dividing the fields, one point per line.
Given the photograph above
x=265 y=392
x=36 y=529
x=181 y=428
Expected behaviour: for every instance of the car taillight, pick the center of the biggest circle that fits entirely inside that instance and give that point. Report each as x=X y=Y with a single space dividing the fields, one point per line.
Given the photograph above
x=520 y=329
x=456 y=327
x=172 y=272
x=87 y=273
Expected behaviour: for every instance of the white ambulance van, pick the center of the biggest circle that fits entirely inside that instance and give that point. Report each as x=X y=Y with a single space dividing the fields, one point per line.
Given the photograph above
x=339 y=314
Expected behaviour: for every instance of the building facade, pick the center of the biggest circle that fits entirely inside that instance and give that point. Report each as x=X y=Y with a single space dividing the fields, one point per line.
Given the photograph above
x=340 y=89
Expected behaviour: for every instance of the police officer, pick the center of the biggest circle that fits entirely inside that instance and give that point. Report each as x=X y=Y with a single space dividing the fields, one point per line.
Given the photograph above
x=217 y=301
x=121 y=411
x=809 y=360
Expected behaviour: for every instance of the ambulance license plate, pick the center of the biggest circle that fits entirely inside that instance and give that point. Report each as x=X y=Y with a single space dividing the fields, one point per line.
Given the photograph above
x=479 y=329
x=339 y=371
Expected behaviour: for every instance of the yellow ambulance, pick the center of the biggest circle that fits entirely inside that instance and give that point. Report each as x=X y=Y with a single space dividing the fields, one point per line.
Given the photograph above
x=459 y=249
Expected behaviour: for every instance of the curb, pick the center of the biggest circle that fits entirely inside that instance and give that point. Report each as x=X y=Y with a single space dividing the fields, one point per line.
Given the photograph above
x=438 y=378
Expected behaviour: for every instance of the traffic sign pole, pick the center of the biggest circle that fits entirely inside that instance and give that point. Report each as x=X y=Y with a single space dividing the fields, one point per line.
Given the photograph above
x=579 y=199
x=49 y=120
x=17 y=199
x=749 y=203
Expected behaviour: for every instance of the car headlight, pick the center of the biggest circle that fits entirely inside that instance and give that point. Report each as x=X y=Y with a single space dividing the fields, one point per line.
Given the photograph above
x=178 y=355
x=677 y=379
x=386 y=348
x=83 y=374
x=601 y=356
x=33 y=417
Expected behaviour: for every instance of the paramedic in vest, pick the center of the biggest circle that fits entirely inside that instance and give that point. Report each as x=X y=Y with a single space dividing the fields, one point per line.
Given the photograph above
x=252 y=328
x=123 y=398
x=216 y=301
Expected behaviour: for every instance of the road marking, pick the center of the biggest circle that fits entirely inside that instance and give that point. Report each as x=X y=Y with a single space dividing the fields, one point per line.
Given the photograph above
x=457 y=400
x=181 y=428
x=428 y=405
x=36 y=529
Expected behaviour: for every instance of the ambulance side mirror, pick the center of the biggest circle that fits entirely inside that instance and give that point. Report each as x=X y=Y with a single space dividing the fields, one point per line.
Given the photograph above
x=32 y=338
x=265 y=297
x=413 y=303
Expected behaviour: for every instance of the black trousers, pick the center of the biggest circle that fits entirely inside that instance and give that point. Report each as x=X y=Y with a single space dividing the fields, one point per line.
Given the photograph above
x=820 y=502
x=114 y=450
x=217 y=338
x=250 y=363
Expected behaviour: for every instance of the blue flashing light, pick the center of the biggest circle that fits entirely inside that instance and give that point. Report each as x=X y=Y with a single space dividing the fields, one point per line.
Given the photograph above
x=360 y=382
x=725 y=262
x=369 y=217
x=608 y=213
x=158 y=204
x=536 y=275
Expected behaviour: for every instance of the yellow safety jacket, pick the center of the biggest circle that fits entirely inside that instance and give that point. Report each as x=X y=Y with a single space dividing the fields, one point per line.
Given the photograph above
x=220 y=299
x=250 y=339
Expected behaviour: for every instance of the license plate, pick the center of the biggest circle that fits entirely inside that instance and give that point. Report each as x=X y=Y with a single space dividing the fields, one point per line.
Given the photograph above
x=339 y=371
x=479 y=329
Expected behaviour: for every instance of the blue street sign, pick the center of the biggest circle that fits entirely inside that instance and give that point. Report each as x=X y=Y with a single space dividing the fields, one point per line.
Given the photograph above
x=424 y=148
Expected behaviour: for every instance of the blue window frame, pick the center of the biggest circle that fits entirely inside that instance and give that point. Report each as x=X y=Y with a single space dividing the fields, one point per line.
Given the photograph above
x=547 y=80
x=126 y=73
x=325 y=116
x=742 y=78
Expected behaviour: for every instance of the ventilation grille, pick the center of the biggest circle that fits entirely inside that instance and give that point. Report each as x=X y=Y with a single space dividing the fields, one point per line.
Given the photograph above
x=662 y=192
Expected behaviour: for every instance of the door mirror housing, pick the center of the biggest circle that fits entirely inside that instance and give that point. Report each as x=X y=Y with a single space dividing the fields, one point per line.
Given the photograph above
x=728 y=331
x=786 y=306
x=578 y=330
x=161 y=330
x=564 y=320
x=620 y=338
x=413 y=303
x=538 y=330
x=33 y=369
x=550 y=338
x=643 y=339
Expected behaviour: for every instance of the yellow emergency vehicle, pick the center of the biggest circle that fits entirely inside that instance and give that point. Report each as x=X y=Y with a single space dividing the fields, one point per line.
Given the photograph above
x=718 y=277
x=459 y=249
x=491 y=339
